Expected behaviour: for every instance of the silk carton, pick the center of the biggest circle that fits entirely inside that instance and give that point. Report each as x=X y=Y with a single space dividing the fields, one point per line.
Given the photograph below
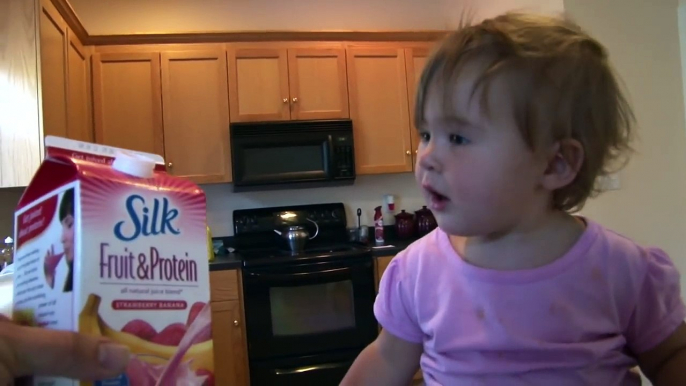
x=109 y=244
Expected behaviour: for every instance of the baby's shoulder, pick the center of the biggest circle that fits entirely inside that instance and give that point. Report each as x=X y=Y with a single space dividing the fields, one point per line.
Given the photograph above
x=622 y=256
x=428 y=252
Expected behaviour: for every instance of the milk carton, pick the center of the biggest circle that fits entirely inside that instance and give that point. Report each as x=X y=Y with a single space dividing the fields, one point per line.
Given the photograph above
x=108 y=244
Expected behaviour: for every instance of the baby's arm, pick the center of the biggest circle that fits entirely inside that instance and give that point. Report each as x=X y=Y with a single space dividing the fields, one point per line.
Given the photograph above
x=389 y=360
x=665 y=365
x=656 y=332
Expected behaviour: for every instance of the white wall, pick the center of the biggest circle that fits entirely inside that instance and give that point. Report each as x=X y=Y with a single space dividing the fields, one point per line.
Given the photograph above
x=366 y=194
x=149 y=16
x=682 y=40
x=643 y=40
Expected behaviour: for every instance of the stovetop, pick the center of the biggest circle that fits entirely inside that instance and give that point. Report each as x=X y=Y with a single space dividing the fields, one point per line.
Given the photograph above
x=257 y=244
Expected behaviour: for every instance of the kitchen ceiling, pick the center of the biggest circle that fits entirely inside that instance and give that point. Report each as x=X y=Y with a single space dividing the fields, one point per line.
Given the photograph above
x=168 y=16
x=178 y=16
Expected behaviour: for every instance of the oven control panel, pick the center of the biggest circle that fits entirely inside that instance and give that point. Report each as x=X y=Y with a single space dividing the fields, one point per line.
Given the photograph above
x=267 y=219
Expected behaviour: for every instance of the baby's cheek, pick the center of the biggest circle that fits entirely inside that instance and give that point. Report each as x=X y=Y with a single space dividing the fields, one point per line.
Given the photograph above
x=478 y=188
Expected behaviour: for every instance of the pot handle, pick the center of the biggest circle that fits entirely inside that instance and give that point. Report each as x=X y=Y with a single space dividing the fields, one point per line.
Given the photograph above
x=316 y=225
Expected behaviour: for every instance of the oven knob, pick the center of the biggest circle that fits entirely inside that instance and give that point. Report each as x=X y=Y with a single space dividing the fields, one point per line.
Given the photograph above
x=333 y=214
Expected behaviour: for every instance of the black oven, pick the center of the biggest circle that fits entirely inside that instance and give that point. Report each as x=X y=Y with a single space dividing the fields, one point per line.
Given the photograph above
x=306 y=323
x=292 y=153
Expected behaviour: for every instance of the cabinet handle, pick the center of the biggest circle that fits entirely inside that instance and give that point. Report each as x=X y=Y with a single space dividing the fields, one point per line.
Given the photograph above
x=295 y=100
x=235 y=323
x=408 y=152
x=170 y=165
x=285 y=100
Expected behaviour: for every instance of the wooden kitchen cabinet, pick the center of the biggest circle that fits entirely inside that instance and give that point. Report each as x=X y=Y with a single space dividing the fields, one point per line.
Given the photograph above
x=228 y=329
x=127 y=100
x=79 y=117
x=258 y=82
x=318 y=83
x=287 y=83
x=377 y=84
x=381 y=263
x=20 y=130
x=65 y=78
x=230 y=354
x=415 y=60
x=196 y=115
x=53 y=60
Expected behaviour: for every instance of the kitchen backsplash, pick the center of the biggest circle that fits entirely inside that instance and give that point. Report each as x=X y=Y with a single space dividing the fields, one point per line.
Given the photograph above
x=367 y=193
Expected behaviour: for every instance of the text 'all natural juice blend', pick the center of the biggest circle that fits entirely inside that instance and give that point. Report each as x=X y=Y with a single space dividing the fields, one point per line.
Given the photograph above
x=109 y=244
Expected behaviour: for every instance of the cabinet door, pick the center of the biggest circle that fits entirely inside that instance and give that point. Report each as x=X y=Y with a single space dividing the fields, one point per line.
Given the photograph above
x=196 y=115
x=20 y=138
x=415 y=59
x=318 y=83
x=53 y=53
x=230 y=352
x=379 y=108
x=79 y=124
x=258 y=84
x=127 y=101
x=381 y=265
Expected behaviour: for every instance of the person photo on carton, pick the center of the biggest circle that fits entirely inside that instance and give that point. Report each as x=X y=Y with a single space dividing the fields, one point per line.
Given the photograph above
x=52 y=260
x=27 y=351
x=518 y=115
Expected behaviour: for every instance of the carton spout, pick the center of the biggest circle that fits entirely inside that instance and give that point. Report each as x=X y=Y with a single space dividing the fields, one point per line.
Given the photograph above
x=136 y=165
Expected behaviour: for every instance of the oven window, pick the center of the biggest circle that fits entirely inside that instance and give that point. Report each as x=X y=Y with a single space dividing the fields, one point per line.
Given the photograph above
x=277 y=160
x=312 y=309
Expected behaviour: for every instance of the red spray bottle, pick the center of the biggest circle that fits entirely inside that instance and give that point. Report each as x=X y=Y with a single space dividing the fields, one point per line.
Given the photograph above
x=378 y=225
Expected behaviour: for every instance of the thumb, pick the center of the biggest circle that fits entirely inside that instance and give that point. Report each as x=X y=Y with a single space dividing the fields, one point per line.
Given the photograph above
x=39 y=351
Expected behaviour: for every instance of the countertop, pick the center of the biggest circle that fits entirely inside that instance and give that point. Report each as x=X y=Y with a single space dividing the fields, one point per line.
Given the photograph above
x=390 y=247
x=222 y=262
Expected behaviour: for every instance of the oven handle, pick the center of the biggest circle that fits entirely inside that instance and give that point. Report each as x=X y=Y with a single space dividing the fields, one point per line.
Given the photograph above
x=306 y=369
x=290 y=276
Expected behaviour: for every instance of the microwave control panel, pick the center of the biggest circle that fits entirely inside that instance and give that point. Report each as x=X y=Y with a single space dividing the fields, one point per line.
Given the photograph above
x=343 y=156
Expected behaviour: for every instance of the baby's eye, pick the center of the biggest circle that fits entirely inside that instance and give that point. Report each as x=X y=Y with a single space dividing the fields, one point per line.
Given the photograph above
x=458 y=139
x=424 y=136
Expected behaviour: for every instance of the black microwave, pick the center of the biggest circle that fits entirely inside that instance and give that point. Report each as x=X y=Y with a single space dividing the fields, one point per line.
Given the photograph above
x=291 y=154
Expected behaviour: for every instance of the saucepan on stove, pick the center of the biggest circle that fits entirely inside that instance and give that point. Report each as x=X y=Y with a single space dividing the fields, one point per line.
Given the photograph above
x=297 y=236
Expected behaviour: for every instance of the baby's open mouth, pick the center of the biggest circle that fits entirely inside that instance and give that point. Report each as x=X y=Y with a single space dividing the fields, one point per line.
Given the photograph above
x=435 y=196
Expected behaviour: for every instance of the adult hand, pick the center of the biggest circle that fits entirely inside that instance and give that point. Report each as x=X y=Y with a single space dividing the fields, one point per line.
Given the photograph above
x=26 y=351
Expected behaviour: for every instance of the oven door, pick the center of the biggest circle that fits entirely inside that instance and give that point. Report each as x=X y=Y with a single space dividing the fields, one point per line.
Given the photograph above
x=281 y=158
x=301 y=309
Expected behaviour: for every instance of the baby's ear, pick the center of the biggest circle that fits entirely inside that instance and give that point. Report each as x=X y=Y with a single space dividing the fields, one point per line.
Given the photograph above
x=564 y=162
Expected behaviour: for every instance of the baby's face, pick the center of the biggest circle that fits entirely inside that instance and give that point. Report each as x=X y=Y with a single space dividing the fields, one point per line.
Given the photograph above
x=68 y=237
x=476 y=172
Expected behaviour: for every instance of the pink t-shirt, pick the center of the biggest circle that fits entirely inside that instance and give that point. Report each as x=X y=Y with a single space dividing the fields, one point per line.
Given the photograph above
x=572 y=322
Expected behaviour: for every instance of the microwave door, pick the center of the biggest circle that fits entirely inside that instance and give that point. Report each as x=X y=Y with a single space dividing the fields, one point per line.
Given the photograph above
x=280 y=159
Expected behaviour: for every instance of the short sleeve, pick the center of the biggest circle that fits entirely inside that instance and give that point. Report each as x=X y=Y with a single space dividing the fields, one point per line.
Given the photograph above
x=394 y=307
x=659 y=308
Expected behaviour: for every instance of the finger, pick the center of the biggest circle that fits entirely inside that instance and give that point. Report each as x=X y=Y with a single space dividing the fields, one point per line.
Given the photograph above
x=39 y=351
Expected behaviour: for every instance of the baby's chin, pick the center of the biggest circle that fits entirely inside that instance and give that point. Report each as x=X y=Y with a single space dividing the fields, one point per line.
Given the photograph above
x=458 y=228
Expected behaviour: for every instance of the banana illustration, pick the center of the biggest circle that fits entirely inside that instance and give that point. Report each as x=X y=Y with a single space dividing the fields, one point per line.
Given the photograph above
x=90 y=322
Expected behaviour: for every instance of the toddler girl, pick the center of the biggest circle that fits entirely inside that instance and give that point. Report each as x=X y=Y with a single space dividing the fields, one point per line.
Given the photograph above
x=518 y=117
